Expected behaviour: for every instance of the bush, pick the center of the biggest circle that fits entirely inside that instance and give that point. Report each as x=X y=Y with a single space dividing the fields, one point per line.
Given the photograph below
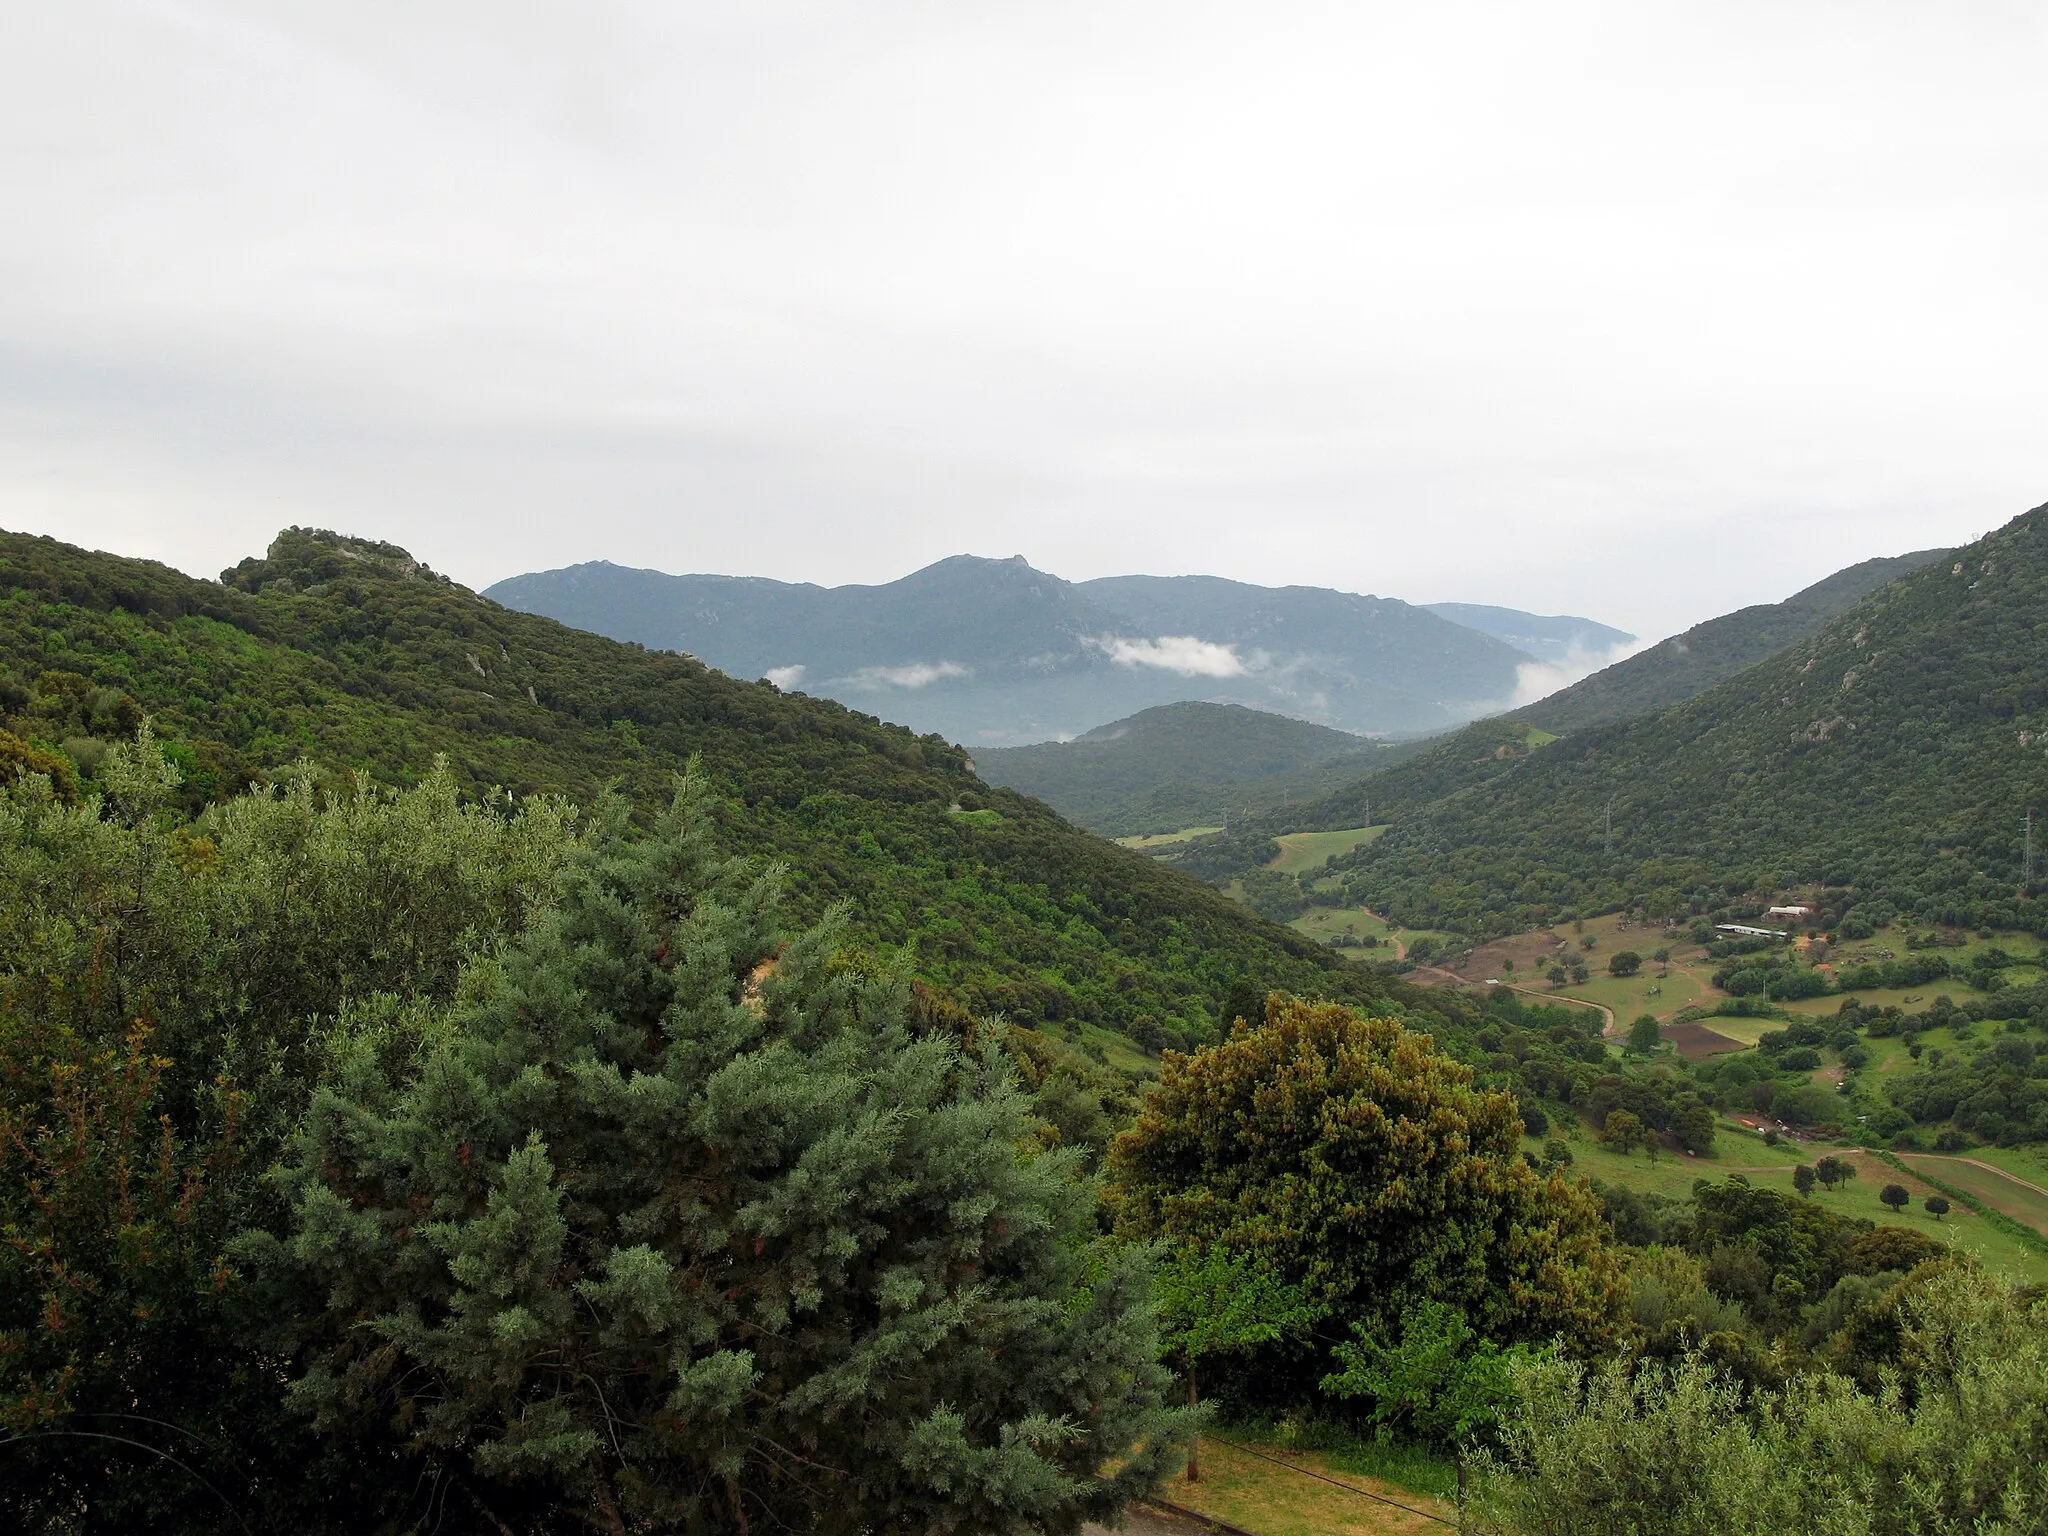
x=1683 y=1450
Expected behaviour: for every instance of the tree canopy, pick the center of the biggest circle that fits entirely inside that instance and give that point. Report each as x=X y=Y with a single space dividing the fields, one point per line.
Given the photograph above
x=679 y=1223
x=1354 y=1158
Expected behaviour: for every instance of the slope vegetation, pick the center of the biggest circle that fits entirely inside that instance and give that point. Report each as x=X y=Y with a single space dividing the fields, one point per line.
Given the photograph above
x=1893 y=754
x=352 y=655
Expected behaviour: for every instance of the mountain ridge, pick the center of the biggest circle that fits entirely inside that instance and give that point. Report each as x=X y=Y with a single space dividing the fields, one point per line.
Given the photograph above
x=1713 y=650
x=996 y=652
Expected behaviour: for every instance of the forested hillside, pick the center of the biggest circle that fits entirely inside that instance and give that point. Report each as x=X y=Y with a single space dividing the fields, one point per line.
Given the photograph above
x=1186 y=765
x=1893 y=754
x=1679 y=668
x=354 y=656
x=1684 y=665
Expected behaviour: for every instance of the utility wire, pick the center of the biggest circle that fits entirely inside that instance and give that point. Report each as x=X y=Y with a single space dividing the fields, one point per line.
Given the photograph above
x=1334 y=1483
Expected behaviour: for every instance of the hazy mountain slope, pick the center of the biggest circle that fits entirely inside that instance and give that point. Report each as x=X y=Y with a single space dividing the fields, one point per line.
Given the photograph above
x=1558 y=638
x=993 y=652
x=1342 y=658
x=997 y=616
x=1183 y=765
x=1708 y=653
x=351 y=654
x=1894 y=753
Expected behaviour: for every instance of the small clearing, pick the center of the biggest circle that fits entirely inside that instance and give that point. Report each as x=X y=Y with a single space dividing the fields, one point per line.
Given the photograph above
x=1164 y=839
x=1301 y=851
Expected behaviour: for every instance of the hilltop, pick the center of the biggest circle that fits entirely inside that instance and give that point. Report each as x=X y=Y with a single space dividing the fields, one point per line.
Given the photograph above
x=1185 y=765
x=996 y=653
x=1711 y=652
x=355 y=656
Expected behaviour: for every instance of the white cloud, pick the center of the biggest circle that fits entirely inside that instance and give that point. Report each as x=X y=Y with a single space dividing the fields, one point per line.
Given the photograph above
x=785 y=677
x=919 y=674
x=1306 y=292
x=1183 y=654
x=1540 y=679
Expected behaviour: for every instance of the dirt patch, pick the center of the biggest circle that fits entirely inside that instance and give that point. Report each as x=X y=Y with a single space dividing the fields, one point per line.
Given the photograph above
x=1696 y=1042
x=1140 y=1520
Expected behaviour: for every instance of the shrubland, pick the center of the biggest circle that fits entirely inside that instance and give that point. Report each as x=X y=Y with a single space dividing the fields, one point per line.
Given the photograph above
x=394 y=1161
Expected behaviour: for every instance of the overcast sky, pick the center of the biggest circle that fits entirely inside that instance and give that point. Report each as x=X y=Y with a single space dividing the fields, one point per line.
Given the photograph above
x=1638 y=311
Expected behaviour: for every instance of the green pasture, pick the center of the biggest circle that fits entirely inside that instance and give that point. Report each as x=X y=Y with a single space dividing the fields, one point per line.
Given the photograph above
x=2028 y=1206
x=2029 y=1162
x=1164 y=839
x=1748 y=1031
x=1740 y=1150
x=1300 y=851
x=1325 y=923
x=1910 y=999
x=1631 y=996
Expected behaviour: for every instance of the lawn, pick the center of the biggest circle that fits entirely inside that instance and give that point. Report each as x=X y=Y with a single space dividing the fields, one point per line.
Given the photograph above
x=1301 y=851
x=1277 y=1497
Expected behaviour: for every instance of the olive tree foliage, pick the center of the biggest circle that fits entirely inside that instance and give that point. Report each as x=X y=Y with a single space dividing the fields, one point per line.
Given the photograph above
x=1953 y=1443
x=240 y=938
x=678 y=1226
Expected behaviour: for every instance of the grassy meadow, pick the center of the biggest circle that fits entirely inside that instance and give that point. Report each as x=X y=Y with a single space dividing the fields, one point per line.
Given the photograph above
x=1303 y=851
x=1165 y=839
x=1739 y=1149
